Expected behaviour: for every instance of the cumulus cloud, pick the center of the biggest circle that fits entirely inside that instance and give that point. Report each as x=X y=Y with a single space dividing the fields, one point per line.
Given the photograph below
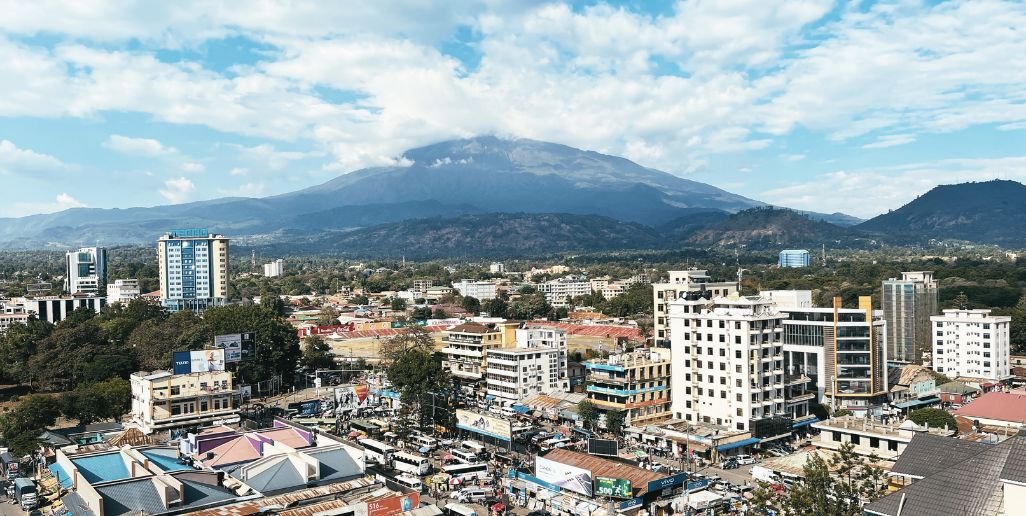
x=138 y=146
x=61 y=202
x=14 y=159
x=178 y=190
x=890 y=140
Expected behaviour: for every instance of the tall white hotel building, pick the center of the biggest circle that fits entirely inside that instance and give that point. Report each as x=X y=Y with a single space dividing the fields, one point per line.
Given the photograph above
x=193 y=269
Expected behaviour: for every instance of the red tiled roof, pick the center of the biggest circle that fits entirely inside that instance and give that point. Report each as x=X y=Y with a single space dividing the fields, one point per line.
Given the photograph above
x=1001 y=406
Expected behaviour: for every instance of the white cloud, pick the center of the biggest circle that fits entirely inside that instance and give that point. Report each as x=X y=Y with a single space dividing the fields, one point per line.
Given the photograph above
x=61 y=202
x=238 y=171
x=138 y=146
x=178 y=190
x=14 y=160
x=266 y=156
x=192 y=167
x=872 y=191
x=890 y=140
x=250 y=189
x=792 y=157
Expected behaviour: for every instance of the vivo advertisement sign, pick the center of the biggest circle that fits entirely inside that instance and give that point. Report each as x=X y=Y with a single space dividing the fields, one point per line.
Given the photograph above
x=667 y=483
x=186 y=362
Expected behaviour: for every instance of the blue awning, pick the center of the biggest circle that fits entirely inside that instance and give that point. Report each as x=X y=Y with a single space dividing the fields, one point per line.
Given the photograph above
x=737 y=444
x=929 y=400
x=520 y=409
x=807 y=422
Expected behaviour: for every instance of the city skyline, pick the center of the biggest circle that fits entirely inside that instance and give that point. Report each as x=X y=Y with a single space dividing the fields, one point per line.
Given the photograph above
x=805 y=104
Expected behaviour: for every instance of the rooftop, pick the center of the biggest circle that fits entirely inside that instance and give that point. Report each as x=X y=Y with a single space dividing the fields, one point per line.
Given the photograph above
x=1001 y=406
x=602 y=467
x=858 y=424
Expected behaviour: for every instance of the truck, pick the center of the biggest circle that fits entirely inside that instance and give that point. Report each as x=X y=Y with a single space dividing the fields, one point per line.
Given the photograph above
x=25 y=493
x=9 y=464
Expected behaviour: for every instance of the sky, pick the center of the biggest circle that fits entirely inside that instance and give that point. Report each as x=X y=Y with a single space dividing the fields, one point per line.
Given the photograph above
x=820 y=105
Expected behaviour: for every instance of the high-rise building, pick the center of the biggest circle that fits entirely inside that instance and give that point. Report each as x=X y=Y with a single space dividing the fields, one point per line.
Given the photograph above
x=274 y=269
x=636 y=383
x=728 y=365
x=794 y=258
x=193 y=265
x=842 y=350
x=537 y=365
x=85 y=270
x=972 y=344
x=907 y=306
x=691 y=280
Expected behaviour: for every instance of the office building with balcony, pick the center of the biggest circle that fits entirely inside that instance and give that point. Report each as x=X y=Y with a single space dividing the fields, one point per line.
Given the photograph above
x=908 y=303
x=973 y=345
x=123 y=291
x=163 y=401
x=480 y=290
x=843 y=352
x=558 y=290
x=466 y=344
x=193 y=268
x=536 y=365
x=85 y=271
x=793 y=258
x=636 y=383
x=728 y=365
x=680 y=282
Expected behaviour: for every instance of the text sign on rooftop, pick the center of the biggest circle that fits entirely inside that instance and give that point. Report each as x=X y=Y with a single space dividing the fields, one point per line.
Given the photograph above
x=188 y=233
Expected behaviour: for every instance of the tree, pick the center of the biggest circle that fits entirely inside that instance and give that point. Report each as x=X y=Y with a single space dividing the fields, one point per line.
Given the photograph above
x=934 y=417
x=842 y=412
x=21 y=426
x=1017 y=329
x=961 y=301
x=411 y=338
x=421 y=313
x=328 y=316
x=317 y=353
x=87 y=403
x=471 y=304
x=416 y=372
x=398 y=304
x=359 y=300
x=272 y=303
x=588 y=413
x=18 y=346
x=614 y=421
x=439 y=313
x=496 y=307
x=277 y=345
x=154 y=340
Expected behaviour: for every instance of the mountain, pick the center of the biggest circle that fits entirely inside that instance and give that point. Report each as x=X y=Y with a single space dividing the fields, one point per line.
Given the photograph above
x=484 y=174
x=487 y=235
x=773 y=228
x=991 y=212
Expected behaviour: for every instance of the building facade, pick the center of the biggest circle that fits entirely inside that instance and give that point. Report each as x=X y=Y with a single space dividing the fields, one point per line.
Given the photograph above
x=636 y=383
x=274 y=269
x=54 y=309
x=843 y=352
x=85 y=271
x=680 y=282
x=480 y=290
x=537 y=365
x=908 y=303
x=972 y=344
x=193 y=267
x=787 y=299
x=558 y=290
x=123 y=291
x=793 y=258
x=728 y=364
x=466 y=344
x=497 y=268
x=162 y=401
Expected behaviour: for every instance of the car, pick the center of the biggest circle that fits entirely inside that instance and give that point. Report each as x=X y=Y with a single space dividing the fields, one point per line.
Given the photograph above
x=729 y=464
x=744 y=460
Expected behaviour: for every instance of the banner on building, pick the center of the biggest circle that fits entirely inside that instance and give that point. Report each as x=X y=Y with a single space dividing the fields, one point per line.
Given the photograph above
x=393 y=505
x=613 y=487
x=351 y=397
x=565 y=476
x=186 y=362
x=484 y=424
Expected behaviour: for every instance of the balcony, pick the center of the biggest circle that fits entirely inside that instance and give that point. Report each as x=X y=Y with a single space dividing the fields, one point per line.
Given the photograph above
x=461 y=352
x=801 y=398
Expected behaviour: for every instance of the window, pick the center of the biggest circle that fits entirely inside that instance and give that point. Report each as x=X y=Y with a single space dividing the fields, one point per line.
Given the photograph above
x=740 y=411
x=874 y=442
x=856 y=439
x=836 y=436
x=723 y=352
x=737 y=340
x=737 y=368
x=740 y=426
x=892 y=445
x=738 y=382
x=739 y=398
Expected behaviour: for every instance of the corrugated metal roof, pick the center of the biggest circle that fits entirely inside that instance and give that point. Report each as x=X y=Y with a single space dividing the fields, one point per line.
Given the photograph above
x=601 y=467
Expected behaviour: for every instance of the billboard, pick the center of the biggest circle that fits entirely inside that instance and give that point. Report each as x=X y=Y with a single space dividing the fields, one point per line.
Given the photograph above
x=563 y=475
x=185 y=362
x=351 y=397
x=603 y=447
x=667 y=483
x=484 y=424
x=613 y=487
x=393 y=505
x=237 y=346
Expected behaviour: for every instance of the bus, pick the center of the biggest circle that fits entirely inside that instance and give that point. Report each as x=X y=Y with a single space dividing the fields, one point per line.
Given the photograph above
x=410 y=482
x=464 y=456
x=424 y=441
x=473 y=447
x=458 y=509
x=377 y=451
x=556 y=442
x=467 y=472
x=410 y=463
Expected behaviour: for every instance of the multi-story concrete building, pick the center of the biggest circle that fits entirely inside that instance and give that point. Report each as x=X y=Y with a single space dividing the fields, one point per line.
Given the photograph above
x=680 y=282
x=557 y=291
x=15 y=316
x=972 y=344
x=274 y=269
x=907 y=305
x=497 y=268
x=466 y=344
x=480 y=290
x=123 y=291
x=728 y=364
x=54 y=309
x=162 y=401
x=787 y=299
x=85 y=271
x=843 y=352
x=193 y=266
x=537 y=365
x=422 y=285
x=793 y=258
x=636 y=383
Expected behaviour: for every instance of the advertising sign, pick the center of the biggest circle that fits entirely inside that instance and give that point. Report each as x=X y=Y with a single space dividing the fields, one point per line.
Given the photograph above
x=632 y=503
x=351 y=397
x=612 y=487
x=185 y=362
x=667 y=483
x=393 y=505
x=484 y=424
x=237 y=346
x=563 y=475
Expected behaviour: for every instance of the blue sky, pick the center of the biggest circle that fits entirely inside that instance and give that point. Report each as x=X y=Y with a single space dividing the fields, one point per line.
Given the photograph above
x=828 y=106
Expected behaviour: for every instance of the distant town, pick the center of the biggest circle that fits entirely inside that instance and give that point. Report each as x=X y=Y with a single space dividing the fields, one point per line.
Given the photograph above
x=525 y=386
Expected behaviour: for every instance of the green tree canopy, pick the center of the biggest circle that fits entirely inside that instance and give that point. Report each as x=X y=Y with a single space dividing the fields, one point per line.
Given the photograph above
x=588 y=413
x=934 y=417
x=317 y=353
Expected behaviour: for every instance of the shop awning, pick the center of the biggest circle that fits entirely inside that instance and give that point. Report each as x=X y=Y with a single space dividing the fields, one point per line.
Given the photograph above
x=520 y=409
x=737 y=444
x=929 y=400
x=807 y=422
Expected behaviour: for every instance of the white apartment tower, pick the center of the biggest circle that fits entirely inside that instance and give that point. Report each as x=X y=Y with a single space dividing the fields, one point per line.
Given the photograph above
x=85 y=270
x=274 y=269
x=193 y=266
x=728 y=361
x=480 y=290
x=971 y=344
x=691 y=280
x=537 y=365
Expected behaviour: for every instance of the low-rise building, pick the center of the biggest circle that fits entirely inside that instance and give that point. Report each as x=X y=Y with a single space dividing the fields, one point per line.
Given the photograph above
x=910 y=382
x=997 y=408
x=466 y=344
x=885 y=440
x=559 y=290
x=163 y=401
x=123 y=291
x=480 y=290
x=8 y=319
x=54 y=309
x=789 y=299
x=497 y=268
x=636 y=383
x=972 y=344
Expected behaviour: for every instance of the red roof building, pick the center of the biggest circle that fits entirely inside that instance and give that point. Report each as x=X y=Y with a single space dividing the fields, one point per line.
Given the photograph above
x=997 y=408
